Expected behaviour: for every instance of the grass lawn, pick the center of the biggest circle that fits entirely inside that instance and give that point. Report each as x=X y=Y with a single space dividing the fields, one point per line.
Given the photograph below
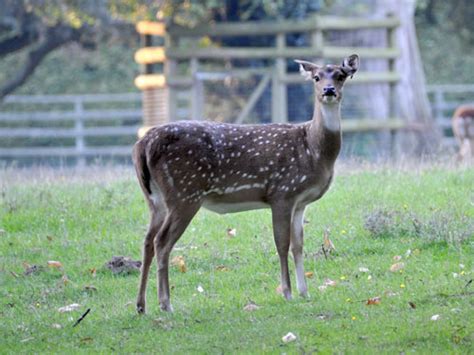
x=425 y=217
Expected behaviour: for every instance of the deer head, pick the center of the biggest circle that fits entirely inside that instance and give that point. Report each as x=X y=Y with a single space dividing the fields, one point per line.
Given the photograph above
x=329 y=79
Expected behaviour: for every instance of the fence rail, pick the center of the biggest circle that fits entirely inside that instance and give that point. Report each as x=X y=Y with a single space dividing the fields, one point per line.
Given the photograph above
x=80 y=121
x=83 y=121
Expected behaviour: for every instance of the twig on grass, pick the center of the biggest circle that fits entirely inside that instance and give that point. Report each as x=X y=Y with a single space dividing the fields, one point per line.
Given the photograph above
x=324 y=251
x=82 y=317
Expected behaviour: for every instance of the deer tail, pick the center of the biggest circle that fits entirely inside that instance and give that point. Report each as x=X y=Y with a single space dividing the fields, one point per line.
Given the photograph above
x=141 y=166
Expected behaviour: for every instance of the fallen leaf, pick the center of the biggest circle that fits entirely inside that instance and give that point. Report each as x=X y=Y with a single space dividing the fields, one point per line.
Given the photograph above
x=326 y=283
x=397 y=267
x=397 y=258
x=412 y=305
x=55 y=264
x=288 y=338
x=329 y=282
x=363 y=269
x=222 y=268
x=93 y=272
x=176 y=260
x=435 y=317
x=250 y=307
x=373 y=301
x=323 y=316
x=26 y=339
x=231 y=232
x=309 y=274
x=180 y=263
x=69 y=308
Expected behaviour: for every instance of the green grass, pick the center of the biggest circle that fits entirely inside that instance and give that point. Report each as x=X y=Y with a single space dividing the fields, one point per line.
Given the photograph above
x=84 y=222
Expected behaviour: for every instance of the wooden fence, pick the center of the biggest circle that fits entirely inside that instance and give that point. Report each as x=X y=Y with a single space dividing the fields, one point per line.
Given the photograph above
x=69 y=126
x=186 y=89
x=110 y=117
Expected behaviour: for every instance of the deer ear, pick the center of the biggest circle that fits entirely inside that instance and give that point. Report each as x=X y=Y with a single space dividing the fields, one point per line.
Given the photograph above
x=350 y=64
x=307 y=69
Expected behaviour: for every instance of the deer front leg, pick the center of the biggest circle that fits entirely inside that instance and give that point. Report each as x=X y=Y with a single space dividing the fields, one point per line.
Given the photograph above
x=281 y=217
x=296 y=247
x=173 y=227
x=148 y=253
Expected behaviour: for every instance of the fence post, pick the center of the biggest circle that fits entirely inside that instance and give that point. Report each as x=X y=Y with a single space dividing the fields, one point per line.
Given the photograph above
x=317 y=36
x=196 y=91
x=438 y=104
x=279 y=92
x=79 y=132
x=392 y=89
x=170 y=72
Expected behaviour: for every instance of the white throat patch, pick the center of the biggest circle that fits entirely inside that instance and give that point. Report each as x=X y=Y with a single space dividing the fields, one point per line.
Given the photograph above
x=331 y=117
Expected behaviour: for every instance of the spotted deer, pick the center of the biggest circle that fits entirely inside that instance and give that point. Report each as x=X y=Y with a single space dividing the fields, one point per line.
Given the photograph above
x=183 y=166
x=463 y=129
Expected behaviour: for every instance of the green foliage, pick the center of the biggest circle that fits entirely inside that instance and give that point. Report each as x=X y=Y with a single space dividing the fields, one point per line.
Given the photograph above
x=83 y=222
x=71 y=70
x=446 y=41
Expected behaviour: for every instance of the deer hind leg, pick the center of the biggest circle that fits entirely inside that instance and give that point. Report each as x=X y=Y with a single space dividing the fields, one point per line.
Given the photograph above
x=173 y=227
x=281 y=218
x=296 y=247
x=465 y=150
x=157 y=218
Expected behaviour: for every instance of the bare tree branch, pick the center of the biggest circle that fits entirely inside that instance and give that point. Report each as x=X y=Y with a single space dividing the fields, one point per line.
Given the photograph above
x=54 y=38
x=17 y=42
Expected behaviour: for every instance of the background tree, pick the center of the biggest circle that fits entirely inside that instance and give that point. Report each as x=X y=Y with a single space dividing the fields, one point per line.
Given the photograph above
x=39 y=27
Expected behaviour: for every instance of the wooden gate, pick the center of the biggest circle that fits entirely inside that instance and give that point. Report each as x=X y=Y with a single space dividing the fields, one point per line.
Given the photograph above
x=193 y=56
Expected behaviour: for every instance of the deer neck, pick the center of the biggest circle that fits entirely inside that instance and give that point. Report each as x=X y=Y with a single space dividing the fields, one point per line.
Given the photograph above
x=325 y=130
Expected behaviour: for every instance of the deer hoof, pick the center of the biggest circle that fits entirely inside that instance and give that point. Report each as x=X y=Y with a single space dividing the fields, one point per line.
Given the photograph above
x=140 y=309
x=166 y=307
x=304 y=295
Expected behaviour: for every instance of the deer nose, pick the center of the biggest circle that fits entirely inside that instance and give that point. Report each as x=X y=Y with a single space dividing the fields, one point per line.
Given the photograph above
x=329 y=91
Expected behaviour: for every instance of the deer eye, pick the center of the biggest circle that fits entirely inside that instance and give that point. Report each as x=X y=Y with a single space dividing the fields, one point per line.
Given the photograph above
x=316 y=78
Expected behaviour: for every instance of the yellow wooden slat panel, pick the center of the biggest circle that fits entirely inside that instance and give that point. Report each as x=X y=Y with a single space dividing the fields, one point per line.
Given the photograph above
x=150 y=81
x=150 y=55
x=151 y=28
